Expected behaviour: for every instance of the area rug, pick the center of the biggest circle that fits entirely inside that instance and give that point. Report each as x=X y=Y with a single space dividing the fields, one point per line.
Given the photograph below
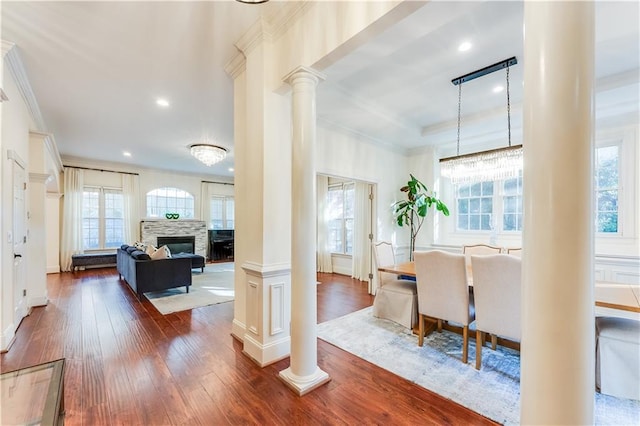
x=493 y=391
x=214 y=285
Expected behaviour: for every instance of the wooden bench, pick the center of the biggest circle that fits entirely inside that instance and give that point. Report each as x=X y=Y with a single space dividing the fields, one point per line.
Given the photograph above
x=92 y=259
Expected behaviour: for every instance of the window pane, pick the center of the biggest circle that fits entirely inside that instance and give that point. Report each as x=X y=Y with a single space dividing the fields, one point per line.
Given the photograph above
x=475 y=190
x=607 y=222
x=463 y=191
x=170 y=200
x=474 y=222
x=474 y=205
x=230 y=205
x=349 y=236
x=511 y=186
x=608 y=201
x=487 y=205
x=486 y=222
x=487 y=188
x=463 y=221
x=509 y=222
x=463 y=206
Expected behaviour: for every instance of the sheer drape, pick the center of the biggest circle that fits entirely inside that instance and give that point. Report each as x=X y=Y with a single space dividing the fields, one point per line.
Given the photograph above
x=71 y=241
x=205 y=203
x=131 y=207
x=323 y=255
x=361 y=257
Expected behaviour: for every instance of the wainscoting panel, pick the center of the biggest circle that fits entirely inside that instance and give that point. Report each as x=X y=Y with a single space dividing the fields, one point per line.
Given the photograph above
x=253 y=311
x=277 y=298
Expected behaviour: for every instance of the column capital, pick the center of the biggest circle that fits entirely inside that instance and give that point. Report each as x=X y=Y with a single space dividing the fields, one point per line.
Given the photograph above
x=304 y=72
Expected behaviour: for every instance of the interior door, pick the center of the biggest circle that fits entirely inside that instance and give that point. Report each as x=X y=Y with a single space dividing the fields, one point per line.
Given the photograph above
x=19 y=238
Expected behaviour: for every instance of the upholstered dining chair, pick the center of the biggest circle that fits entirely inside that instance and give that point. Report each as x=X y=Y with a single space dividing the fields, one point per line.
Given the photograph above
x=515 y=251
x=443 y=292
x=496 y=291
x=480 y=250
x=396 y=299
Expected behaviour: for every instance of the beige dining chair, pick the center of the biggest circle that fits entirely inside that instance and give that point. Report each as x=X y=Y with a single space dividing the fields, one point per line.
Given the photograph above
x=396 y=299
x=443 y=292
x=515 y=251
x=496 y=291
x=479 y=250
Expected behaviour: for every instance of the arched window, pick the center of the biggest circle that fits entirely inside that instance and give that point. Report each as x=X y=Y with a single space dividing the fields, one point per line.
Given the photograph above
x=161 y=201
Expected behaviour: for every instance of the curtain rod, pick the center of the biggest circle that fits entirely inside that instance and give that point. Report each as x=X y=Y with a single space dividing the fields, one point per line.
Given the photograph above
x=102 y=170
x=221 y=183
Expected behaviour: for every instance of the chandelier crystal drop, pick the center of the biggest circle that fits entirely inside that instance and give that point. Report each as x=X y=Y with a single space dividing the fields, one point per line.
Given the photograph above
x=207 y=153
x=498 y=164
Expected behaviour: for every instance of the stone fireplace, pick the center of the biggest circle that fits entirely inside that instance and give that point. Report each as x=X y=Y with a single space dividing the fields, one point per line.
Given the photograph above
x=154 y=230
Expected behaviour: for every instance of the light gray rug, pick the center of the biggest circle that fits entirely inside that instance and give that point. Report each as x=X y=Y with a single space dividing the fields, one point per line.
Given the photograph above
x=214 y=285
x=493 y=391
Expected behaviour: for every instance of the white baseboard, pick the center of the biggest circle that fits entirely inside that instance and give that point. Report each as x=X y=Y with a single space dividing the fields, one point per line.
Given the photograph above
x=238 y=329
x=37 y=301
x=264 y=355
x=53 y=269
x=7 y=338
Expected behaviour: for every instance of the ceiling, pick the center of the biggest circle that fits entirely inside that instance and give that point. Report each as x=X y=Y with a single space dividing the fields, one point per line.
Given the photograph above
x=97 y=68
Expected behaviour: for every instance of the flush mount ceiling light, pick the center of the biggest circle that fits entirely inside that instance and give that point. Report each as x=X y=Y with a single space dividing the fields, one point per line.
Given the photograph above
x=252 y=1
x=162 y=102
x=495 y=164
x=464 y=46
x=207 y=153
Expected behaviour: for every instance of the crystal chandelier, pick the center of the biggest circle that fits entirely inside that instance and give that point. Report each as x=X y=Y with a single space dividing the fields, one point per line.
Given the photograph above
x=207 y=153
x=495 y=164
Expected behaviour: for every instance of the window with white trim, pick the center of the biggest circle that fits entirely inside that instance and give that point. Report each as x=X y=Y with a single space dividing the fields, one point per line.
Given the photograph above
x=474 y=206
x=161 y=201
x=341 y=199
x=607 y=182
x=512 y=204
x=222 y=212
x=102 y=218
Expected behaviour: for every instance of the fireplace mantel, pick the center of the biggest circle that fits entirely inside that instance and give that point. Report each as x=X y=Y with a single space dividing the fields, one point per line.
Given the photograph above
x=151 y=229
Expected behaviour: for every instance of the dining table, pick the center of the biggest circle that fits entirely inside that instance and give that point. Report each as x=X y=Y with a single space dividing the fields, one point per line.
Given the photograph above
x=620 y=296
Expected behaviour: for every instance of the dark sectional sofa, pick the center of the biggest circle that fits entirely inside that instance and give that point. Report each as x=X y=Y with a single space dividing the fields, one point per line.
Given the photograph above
x=144 y=275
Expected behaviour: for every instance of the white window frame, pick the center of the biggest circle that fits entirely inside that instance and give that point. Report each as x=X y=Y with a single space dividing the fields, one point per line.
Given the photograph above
x=102 y=217
x=619 y=188
x=187 y=211
x=228 y=217
x=344 y=187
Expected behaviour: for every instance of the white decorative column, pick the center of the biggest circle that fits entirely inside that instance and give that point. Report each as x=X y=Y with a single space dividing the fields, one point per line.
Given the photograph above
x=36 y=221
x=558 y=348
x=303 y=374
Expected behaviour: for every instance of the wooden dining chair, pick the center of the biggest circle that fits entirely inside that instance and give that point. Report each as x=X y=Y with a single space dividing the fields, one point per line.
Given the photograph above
x=396 y=299
x=477 y=250
x=497 y=295
x=443 y=292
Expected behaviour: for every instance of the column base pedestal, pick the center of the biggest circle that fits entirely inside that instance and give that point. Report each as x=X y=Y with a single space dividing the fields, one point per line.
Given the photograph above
x=304 y=384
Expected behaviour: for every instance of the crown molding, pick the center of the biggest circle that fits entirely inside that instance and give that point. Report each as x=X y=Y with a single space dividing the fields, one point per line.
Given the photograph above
x=236 y=65
x=257 y=34
x=6 y=47
x=19 y=74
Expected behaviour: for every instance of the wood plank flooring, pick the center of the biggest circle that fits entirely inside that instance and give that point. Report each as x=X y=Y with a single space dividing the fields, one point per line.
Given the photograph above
x=128 y=364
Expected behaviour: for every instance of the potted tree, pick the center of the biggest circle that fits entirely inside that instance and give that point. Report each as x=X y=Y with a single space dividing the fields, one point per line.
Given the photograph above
x=412 y=211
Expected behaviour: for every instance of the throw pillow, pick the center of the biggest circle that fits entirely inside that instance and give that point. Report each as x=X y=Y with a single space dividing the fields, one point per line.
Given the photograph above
x=162 y=253
x=140 y=255
x=150 y=249
x=140 y=246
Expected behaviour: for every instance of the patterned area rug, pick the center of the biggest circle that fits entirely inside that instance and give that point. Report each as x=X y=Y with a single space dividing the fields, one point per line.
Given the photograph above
x=494 y=391
x=214 y=285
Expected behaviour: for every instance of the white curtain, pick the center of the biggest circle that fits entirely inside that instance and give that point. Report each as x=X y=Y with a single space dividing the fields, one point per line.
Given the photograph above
x=323 y=255
x=71 y=242
x=361 y=257
x=131 y=206
x=205 y=203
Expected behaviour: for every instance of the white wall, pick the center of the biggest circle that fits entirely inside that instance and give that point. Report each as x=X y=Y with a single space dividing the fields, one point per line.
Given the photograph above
x=16 y=122
x=348 y=156
x=53 y=225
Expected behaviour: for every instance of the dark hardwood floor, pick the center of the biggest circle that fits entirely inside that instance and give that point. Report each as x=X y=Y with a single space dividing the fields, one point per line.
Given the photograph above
x=128 y=364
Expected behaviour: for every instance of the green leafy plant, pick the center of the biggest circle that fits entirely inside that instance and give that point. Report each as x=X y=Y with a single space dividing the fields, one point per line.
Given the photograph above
x=412 y=211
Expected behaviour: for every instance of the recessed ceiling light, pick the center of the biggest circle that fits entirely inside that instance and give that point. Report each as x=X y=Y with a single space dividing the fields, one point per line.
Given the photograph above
x=126 y=153
x=231 y=169
x=498 y=89
x=162 y=102
x=464 y=46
